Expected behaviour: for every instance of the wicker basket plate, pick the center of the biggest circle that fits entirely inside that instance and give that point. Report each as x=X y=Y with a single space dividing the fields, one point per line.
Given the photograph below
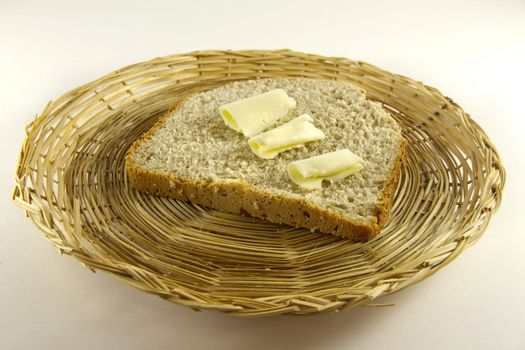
x=71 y=183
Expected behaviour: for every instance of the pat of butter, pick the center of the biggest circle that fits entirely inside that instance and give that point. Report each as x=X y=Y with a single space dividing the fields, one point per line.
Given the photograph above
x=290 y=135
x=310 y=173
x=254 y=114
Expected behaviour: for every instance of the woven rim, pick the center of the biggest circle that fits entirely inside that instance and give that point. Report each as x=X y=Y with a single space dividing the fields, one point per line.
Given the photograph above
x=71 y=183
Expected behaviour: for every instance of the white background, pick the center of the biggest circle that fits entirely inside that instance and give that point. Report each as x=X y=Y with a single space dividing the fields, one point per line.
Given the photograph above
x=472 y=51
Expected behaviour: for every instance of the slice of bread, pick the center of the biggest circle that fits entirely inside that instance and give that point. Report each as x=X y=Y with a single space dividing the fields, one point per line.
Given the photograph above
x=191 y=155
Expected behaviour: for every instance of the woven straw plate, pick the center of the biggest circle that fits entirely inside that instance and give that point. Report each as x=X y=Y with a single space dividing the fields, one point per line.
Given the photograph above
x=71 y=183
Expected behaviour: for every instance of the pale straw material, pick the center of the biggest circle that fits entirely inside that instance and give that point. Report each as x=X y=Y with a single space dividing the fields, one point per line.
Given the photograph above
x=71 y=183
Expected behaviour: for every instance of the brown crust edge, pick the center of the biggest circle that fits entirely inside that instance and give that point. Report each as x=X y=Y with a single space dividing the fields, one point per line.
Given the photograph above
x=239 y=197
x=384 y=205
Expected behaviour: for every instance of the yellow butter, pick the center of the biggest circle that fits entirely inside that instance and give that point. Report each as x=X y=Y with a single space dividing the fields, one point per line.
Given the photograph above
x=254 y=114
x=309 y=173
x=293 y=134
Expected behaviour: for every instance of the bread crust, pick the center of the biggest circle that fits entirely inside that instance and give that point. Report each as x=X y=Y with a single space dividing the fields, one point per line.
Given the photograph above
x=239 y=197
